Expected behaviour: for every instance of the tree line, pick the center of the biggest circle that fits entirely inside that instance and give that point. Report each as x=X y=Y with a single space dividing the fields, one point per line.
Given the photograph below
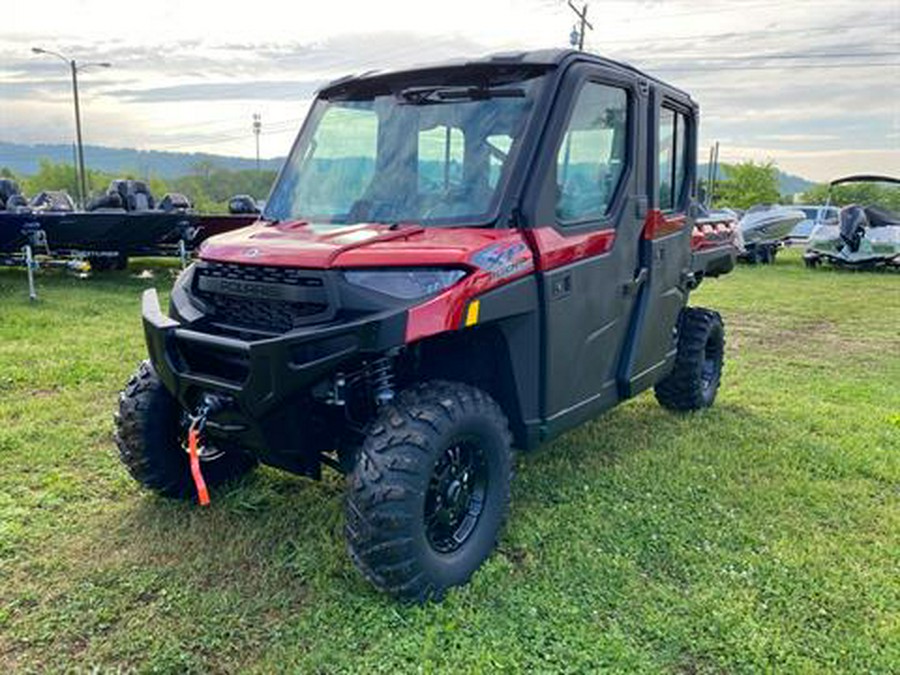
x=209 y=187
x=748 y=183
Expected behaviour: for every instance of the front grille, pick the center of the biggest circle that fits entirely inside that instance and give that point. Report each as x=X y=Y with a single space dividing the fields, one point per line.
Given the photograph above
x=268 y=299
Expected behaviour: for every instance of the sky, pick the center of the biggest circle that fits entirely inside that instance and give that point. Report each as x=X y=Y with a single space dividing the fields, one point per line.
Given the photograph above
x=813 y=85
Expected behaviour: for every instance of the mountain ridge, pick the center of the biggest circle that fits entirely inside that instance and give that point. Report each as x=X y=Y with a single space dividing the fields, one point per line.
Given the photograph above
x=23 y=159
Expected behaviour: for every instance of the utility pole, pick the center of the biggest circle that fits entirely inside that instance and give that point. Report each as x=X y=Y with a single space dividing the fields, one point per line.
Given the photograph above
x=577 y=36
x=75 y=67
x=82 y=181
x=715 y=173
x=257 y=129
x=75 y=166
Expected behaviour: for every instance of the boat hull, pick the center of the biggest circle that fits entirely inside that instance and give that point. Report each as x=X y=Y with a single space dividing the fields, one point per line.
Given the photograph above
x=769 y=226
x=879 y=246
x=148 y=233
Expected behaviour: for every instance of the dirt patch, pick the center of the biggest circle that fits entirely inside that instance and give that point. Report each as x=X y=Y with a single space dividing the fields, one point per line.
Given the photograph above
x=807 y=336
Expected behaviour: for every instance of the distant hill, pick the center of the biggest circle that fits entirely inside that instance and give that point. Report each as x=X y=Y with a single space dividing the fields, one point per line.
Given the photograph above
x=788 y=184
x=23 y=160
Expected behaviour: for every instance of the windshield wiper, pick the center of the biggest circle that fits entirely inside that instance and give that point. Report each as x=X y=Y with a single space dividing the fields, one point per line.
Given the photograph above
x=423 y=95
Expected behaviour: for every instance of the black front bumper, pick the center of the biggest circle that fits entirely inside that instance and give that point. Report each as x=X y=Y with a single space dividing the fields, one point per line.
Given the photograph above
x=259 y=375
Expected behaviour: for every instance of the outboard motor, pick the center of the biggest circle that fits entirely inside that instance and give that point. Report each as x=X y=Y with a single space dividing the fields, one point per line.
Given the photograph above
x=16 y=202
x=111 y=200
x=52 y=200
x=174 y=201
x=242 y=205
x=8 y=190
x=853 y=226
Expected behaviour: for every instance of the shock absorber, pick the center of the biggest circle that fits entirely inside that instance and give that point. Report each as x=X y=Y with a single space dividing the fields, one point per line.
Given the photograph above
x=381 y=378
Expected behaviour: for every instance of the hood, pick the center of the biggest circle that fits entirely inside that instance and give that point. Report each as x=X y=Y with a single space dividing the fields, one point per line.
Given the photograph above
x=318 y=246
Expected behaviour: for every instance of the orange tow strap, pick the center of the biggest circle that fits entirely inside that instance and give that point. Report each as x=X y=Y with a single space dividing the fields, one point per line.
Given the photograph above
x=202 y=493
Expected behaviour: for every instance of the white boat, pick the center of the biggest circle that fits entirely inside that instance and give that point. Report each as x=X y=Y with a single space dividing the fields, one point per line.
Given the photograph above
x=763 y=230
x=769 y=223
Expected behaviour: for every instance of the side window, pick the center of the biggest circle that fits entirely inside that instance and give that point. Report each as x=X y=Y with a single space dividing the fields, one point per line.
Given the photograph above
x=672 y=158
x=591 y=159
x=441 y=155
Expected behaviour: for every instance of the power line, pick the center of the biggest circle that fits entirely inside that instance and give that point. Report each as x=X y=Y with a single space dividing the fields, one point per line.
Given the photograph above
x=743 y=34
x=813 y=66
x=742 y=8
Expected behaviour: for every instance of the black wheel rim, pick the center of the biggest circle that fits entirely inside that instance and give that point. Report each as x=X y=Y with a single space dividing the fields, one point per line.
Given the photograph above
x=456 y=495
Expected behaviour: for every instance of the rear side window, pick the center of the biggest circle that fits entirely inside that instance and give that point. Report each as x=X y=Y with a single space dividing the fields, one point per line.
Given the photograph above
x=672 y=158
x=592 y=156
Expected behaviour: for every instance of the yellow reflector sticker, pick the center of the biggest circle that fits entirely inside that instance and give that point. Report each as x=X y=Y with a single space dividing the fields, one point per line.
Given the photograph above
x=472 y=313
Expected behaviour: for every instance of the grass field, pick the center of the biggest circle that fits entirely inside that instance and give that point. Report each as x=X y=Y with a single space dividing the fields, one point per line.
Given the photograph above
x=761 y=535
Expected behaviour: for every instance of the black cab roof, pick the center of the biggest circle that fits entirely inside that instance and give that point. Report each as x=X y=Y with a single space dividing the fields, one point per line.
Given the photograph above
x=535 y=60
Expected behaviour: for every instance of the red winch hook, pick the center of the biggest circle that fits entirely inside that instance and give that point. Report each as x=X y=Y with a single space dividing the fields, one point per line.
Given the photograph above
x=198 y=423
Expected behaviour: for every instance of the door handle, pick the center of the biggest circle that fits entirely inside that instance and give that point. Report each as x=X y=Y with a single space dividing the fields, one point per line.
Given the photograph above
x=632 y=287
x=561 y=286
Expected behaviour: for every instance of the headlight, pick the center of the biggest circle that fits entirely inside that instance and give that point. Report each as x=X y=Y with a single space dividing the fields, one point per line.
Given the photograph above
x=405 y=284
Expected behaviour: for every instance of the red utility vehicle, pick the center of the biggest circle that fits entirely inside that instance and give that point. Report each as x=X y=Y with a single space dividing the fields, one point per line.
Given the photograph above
x=454 y=260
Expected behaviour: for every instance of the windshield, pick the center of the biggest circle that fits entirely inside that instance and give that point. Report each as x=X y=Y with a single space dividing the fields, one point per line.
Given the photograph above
x=427 y=155
x=880 y=195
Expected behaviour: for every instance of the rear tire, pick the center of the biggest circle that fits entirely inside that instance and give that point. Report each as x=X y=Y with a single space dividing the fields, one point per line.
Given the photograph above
x=149 y=429
x=694 y=381
x=430 y=490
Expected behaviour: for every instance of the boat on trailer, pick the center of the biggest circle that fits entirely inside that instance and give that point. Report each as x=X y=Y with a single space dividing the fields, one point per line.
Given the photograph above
x=867 y=234
x=763 y=230
x=125 y=221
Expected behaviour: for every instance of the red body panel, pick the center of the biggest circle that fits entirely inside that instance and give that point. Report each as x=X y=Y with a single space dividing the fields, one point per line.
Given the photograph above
x=496 y=259
x=445 y=312
x=210 y=226
x=555 y=250
x=705 y=234
x=300 y=244
x=658 y=224
x=494 y=256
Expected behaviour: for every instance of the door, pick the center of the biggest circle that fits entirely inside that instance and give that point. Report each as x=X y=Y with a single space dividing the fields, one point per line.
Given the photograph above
x=665 y=244
x=588 y=216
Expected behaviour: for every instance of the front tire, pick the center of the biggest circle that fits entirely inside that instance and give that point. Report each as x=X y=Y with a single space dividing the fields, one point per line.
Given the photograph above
x=430 y=490
x=694 y=381
x=149 y=429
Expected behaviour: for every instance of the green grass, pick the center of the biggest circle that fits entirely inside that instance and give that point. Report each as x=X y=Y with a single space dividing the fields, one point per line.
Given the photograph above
x=761 y=535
